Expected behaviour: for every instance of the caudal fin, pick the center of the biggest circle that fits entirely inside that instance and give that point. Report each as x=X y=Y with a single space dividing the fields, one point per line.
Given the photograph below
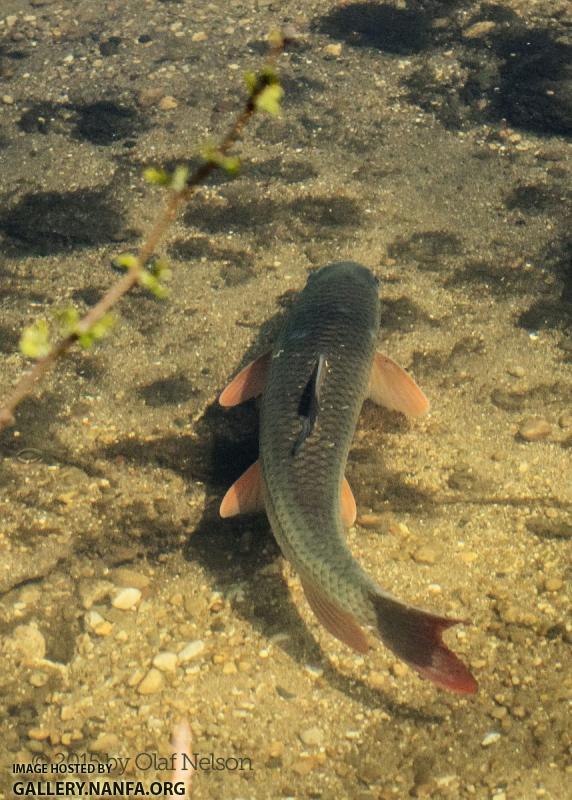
x=415 y=636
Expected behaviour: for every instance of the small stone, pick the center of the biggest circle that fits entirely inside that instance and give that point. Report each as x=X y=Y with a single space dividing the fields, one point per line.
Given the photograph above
x=275 y=749
x=29 y=643
x=491 y=738
x=312 y=737
x=168 y=103
x=553 y=584
x=38 y=734
x=67 y=713
x=479 y=29
x=303 y=766
x=229 y=668
x=38 y=679
x=200 y=36
x=129 y=577
x=425 y=555
x=399 y=669
x=105 y=743
x=126 y=598
x=165 y=661
x=370 y=520
x=468 y=557
x=191 y=650
x=334 y=50
x=147 y=98
x=516 y=371
x=565 y=420
x=377 y=680
x=7 y=99
x=534 y=429
x=151 y=683
x=313 y=671
x=93 y=591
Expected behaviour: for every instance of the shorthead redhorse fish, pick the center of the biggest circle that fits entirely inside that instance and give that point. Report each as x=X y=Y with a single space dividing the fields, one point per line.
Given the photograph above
x=313 y=383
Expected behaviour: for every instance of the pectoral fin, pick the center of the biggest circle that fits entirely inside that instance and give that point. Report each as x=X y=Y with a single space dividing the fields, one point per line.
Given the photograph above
x=249 y=382
x=338 y=622
x=245 y=496
x=391 y=386
x=309 y=406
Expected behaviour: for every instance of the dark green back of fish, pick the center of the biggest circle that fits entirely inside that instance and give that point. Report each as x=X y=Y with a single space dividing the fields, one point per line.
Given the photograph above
x=336 y=318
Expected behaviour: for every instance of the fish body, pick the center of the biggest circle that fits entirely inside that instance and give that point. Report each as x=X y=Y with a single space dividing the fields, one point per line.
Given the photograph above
x=322 y=367
x=336 y=318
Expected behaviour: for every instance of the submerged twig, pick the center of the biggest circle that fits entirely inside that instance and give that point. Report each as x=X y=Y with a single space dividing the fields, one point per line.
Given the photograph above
x=264 y=94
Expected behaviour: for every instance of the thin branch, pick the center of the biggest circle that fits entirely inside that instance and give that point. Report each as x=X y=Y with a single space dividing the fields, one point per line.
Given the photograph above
x=26 y=384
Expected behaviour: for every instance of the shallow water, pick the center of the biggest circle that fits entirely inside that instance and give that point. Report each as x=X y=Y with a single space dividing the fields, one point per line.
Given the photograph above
x=431 y=142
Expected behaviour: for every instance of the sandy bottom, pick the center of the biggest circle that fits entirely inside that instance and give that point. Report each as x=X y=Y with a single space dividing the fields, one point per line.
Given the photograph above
x=430 y=142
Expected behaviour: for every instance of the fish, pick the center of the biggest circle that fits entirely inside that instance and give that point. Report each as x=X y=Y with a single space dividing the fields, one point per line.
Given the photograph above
x=312 y=384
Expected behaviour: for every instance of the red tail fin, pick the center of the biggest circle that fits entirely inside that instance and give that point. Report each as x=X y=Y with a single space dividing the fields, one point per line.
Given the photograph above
x=415 y=636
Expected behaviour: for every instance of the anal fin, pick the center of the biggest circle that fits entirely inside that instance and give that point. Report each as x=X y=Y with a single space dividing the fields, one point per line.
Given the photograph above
x=338 y=622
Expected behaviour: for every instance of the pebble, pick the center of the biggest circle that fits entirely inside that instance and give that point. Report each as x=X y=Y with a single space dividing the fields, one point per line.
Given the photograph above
x=479 y=29
x=399 y=669
x=534 y=429
x=95 y=622
x=38 y=679
x=93 y=591
x=105 y=743
x=377 y=680
x=312 y=737
x=490 y=738
x=191 y=650
x=425 y=555
x=553 y=584
x=516 y=371
x=304 y=766
x=565 y=420
x=7 y=99
x=333 y=50
x=168 y=103
x=129 y=577
x=29 y=643
x=126 y=598
x=165 y=661
x=199 y=37
x=151 y=683
x=38 y=734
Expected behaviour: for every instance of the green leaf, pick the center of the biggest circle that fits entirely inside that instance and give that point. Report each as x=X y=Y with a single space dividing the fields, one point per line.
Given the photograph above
x=230 y=164
x=269 y=99
x=125 y=261
x=157 y=177
x=98 y=330
x=67 y=319
x=152 y=283
x=179 y=178
x=35 y=340
x=251 y=82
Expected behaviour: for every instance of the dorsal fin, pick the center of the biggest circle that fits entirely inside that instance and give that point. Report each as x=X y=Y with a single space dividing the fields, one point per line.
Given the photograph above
x=309 y=405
